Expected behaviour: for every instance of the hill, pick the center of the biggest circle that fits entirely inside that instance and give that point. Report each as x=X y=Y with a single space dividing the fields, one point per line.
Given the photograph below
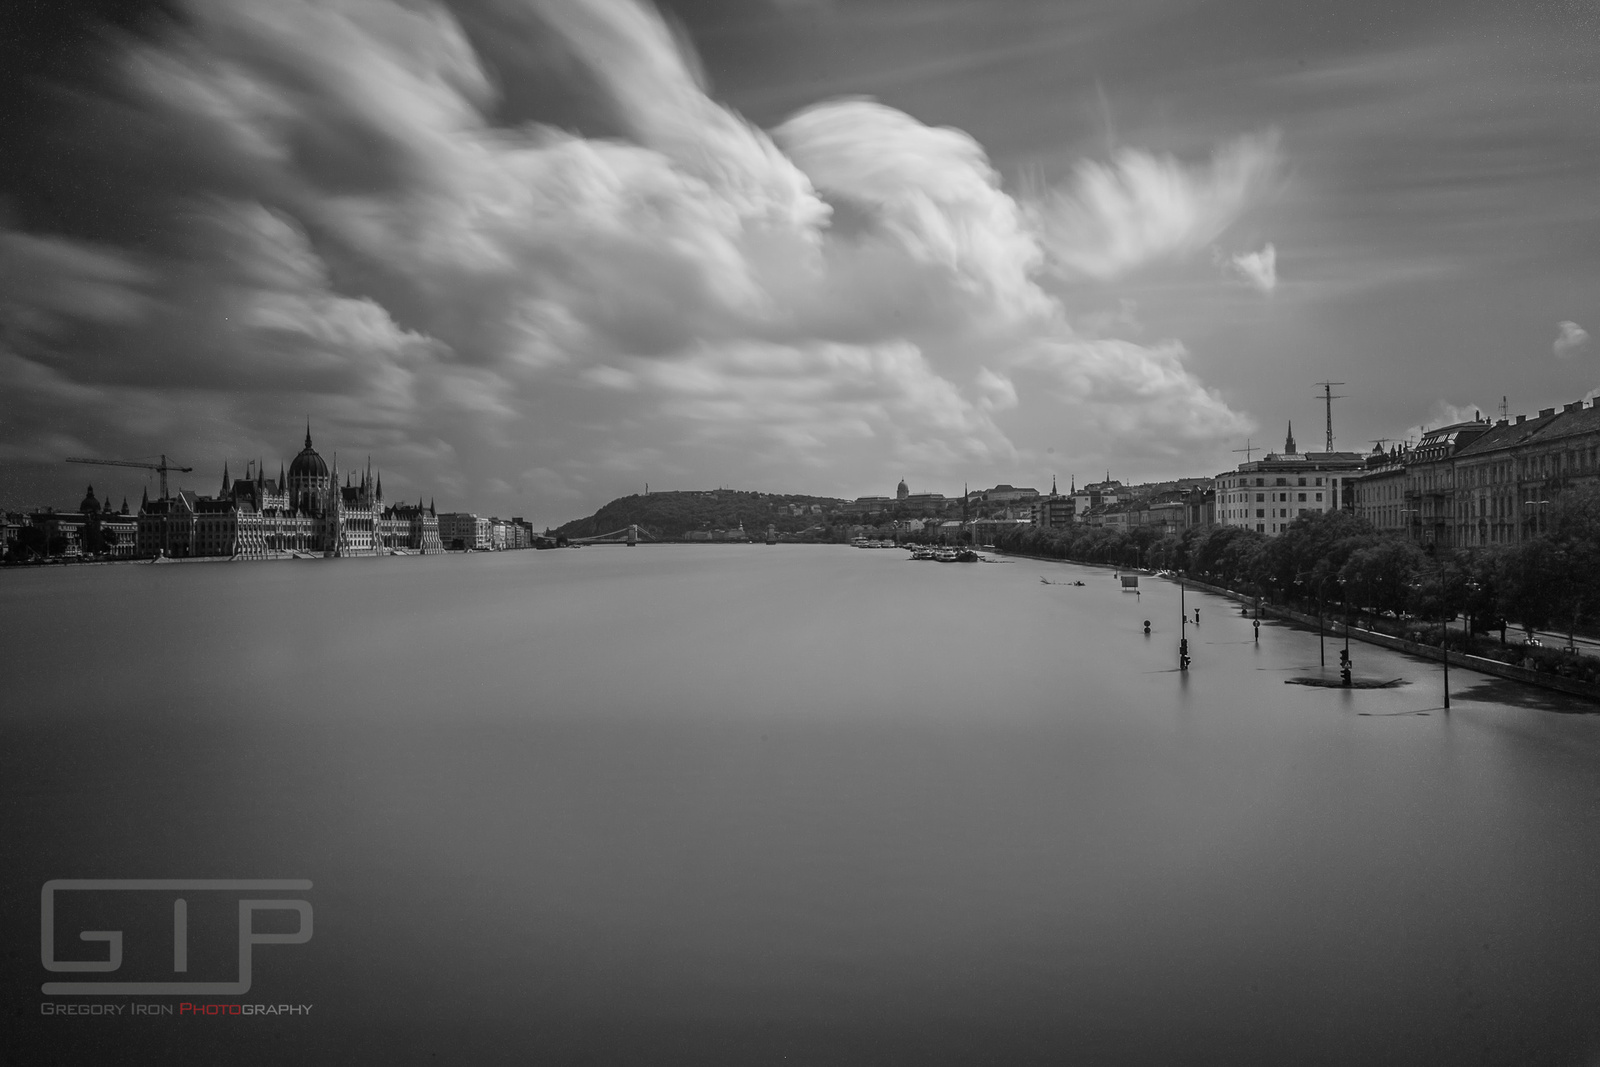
x=674 y=516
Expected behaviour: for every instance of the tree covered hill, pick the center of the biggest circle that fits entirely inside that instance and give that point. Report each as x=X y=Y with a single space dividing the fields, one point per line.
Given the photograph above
x=674 y=515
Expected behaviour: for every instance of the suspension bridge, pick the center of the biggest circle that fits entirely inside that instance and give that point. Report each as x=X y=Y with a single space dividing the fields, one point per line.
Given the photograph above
x=628 y=535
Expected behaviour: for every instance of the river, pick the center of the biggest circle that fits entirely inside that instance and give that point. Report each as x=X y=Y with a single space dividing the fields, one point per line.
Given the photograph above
x=758 y=804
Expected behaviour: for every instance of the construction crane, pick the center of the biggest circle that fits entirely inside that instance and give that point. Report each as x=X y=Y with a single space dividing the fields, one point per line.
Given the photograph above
x=163 y=467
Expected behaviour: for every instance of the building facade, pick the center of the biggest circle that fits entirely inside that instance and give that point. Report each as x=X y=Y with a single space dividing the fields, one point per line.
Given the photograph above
x=304 y=512
x=464 y=531
x=1496 y=483
x=1379 y=494
x=1267 y=494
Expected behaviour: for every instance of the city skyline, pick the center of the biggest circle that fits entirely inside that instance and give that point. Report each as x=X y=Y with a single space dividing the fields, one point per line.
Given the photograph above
x=540 y=254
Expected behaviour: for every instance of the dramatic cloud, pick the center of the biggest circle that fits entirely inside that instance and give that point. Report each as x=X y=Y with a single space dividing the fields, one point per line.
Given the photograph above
x=1142 y=207
x=1571 y=338
x=1258 y=269
x=333 y=222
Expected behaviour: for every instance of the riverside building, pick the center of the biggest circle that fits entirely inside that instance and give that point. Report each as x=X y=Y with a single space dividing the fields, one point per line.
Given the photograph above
x=304 y=512
x=1267 y=494
x=1478 y=483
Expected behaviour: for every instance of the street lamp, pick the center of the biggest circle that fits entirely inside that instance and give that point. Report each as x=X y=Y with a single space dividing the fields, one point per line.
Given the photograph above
x=1183 y=628
x=1345 y=665
x=1533 y=520
x=1444 y=635
x=1322 y=653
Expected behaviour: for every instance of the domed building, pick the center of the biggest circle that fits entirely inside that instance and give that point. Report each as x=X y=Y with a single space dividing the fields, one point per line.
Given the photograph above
x=902 y=490
x=308 y=480
x=306 y=512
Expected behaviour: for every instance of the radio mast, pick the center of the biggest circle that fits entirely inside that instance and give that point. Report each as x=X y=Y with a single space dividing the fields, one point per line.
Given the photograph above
x=1328 y=398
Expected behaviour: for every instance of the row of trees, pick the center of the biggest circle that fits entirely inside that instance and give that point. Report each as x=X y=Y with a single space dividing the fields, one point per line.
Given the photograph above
x=1551 y=581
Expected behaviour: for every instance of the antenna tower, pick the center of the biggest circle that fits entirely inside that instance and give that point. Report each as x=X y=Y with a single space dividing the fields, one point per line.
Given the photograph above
x=1247 y=449
x=1328 y=398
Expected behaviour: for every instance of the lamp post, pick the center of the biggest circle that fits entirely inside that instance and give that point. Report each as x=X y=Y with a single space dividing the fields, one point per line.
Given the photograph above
x=1183 y=628
x=1533 y=520
x=1322 y=651
x=1322 y=644
x=1444 y=635
x=1345 y=666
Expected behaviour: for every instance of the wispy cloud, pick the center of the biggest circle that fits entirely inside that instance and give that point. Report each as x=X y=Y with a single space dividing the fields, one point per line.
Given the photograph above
x=1141 y=207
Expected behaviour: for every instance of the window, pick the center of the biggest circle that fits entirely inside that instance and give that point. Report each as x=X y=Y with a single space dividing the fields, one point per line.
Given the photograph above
x=1303 y=496
x=1261 y=513
x=1302 y=481
x=1260 y=497
x=1319 y=498
x=1261 y=527
x=1282 y=481
x=1319 y=481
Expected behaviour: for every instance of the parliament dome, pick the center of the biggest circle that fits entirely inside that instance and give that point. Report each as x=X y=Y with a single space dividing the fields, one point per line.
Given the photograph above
x=308 y=464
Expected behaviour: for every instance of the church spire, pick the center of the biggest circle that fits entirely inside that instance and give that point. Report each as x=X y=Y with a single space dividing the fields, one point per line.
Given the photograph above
x=308 y=431
x=225 y=482
x=144 y=501
x=1053 y=486
x=1288 y=444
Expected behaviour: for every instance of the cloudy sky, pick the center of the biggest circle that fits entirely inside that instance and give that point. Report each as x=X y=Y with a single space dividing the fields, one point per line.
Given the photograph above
x=530 y=255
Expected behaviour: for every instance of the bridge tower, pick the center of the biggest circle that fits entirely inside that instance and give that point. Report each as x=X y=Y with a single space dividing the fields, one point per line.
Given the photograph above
x=633 y=534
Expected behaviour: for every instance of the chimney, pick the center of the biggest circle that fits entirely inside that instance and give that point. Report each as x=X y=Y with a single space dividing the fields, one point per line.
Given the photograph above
x=1574 y=406
x=1546 y=411
x=1521 y=419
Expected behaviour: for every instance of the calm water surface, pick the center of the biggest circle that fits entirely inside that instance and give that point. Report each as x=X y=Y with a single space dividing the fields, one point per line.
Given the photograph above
x=750 y=804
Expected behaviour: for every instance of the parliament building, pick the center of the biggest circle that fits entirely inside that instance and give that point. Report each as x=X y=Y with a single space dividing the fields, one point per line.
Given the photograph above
x=304 y=512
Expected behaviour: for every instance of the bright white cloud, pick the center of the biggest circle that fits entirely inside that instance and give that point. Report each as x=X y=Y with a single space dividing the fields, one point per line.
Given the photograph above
x=1570 y=338
x=1258 y=269
x=852 y=294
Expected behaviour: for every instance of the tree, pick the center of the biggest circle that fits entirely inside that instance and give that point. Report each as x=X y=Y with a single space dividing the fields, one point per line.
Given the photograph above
x=1380 y=575
x=1531 y=583
x=1575 y=534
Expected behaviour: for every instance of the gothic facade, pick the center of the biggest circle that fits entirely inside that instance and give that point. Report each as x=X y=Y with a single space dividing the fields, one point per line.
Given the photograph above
x=304 y=512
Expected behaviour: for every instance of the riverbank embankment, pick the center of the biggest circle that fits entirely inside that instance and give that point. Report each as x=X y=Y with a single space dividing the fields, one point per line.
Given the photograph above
x=1336 y=628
